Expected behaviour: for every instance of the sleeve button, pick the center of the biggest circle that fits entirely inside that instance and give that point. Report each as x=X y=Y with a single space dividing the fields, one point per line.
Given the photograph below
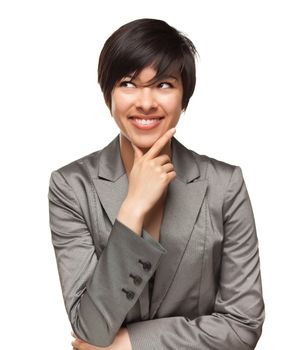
x=129 y=294
x=136 y=279
x=146 y=265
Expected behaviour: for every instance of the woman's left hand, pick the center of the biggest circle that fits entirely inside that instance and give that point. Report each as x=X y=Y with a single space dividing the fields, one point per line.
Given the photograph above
x=121 y=342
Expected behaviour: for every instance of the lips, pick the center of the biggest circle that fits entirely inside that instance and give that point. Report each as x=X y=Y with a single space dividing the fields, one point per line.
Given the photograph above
x=146 y=117
x=145 y=123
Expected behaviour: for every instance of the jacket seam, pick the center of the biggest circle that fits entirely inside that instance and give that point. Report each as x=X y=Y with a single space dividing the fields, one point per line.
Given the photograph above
x=73 y=191
x=96 y=212
x=205 y=238
x=237 y=335
x=228 y=185
x=203 y=259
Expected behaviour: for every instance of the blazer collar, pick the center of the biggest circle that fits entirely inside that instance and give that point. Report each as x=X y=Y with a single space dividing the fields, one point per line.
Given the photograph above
x=183 y=203
x=111 y=165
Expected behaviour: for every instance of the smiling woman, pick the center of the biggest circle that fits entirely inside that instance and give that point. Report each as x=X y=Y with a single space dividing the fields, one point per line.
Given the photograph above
x=138 y=105
x=156 y=245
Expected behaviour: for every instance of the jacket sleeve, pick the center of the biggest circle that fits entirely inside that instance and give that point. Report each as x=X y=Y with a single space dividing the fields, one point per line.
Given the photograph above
x=238 y=312
x=98 y=291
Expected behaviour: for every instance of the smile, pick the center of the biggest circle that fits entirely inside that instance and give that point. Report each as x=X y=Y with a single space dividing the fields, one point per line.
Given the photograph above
x=145 y=124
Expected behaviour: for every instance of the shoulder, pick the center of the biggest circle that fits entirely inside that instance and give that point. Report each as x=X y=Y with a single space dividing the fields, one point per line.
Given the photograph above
x=81 y=173
x=201 y=166
x=81 y=165
x=212 y=168
x=222 y=177
x=225 y=180
x=219 y=175
x=78 y=172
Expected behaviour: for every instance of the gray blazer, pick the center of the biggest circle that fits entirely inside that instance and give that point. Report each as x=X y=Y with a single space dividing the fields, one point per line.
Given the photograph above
x=207 y=287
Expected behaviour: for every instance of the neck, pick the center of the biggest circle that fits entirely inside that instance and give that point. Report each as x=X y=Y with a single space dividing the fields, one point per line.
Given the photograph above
x=127 y=152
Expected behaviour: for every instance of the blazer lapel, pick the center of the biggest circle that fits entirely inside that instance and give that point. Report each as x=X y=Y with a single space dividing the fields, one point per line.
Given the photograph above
x=112 y=182
x=183 y=202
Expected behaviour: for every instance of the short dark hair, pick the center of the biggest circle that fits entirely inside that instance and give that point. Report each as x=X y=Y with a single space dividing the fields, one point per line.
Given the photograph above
x=147 y=42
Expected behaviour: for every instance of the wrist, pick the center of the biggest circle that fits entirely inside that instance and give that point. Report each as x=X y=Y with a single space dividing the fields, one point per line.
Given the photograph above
x=132 y=209
x=131 y=217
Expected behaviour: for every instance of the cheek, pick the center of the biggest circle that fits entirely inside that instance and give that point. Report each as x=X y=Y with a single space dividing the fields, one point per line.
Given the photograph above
x=172 y=103
x=120 y=104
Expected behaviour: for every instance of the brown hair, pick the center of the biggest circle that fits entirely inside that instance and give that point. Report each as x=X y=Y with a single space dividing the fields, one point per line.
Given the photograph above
x=147 y=42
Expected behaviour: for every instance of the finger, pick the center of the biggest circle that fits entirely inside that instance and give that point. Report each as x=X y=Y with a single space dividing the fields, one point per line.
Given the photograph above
x=159 y=144
x=168 y=167
x=75 y=336
x=137 y=151
x=172 y=175
x=162 y=159
x=77 y=343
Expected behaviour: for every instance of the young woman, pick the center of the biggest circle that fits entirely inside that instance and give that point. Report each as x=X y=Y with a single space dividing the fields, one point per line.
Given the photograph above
x=155 y=244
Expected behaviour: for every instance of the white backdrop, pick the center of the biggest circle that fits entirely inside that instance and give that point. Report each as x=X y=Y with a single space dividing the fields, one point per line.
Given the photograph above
x=52 y=112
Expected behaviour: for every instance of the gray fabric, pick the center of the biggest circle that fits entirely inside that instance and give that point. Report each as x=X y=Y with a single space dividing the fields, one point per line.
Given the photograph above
x=207 y=287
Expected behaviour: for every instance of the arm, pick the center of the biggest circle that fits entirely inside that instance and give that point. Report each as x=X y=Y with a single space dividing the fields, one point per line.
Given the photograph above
x=98 y=290
x=121 y=342
x=238 y=313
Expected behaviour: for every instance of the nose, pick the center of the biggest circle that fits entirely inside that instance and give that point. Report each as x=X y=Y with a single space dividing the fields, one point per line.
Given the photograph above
x=146 y=100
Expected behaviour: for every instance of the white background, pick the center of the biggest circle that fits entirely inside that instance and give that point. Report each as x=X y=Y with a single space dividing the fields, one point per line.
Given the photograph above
x=52 y=112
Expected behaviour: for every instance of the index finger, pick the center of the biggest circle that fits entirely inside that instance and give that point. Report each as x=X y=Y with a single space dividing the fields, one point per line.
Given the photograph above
x=160 y=143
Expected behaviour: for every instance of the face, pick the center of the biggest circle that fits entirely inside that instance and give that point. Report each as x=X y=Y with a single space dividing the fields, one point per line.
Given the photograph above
x=144 y=113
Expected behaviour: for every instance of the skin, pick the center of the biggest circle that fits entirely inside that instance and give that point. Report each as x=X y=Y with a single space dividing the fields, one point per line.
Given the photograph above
x=121 y=342
x=146 y=154
x=134 y=98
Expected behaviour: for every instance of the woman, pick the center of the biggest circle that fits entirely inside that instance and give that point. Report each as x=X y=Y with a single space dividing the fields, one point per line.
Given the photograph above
x=155 y=244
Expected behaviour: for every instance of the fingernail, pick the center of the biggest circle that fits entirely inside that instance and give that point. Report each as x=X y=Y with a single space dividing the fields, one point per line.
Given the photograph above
x=173 y=130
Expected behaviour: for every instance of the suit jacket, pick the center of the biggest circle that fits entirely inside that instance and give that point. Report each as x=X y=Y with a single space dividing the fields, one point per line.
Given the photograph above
x=207 y=287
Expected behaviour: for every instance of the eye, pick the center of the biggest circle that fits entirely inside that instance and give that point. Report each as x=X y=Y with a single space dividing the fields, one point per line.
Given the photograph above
x=165 y=85
x=126 y=83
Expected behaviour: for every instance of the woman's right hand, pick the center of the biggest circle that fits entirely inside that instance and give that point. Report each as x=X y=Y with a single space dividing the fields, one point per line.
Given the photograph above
x=150 y=175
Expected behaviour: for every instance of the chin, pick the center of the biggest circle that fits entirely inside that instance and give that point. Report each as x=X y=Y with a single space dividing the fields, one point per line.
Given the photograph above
x=145 y=144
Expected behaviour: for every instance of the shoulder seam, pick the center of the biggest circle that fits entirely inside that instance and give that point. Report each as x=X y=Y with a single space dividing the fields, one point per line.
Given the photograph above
x=73 y=191
x=236 y=167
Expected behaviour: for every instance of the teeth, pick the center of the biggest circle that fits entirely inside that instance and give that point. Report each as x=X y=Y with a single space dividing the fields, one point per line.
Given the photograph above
x=146 y=121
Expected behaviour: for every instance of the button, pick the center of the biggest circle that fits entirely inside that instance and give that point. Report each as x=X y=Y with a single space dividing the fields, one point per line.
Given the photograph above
x=146 y=265
x=136 y=279
x=129 y=294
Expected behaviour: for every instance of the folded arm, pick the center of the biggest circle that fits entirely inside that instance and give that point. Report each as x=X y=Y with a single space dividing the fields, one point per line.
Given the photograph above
x=100 y=290
x=92 y=288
